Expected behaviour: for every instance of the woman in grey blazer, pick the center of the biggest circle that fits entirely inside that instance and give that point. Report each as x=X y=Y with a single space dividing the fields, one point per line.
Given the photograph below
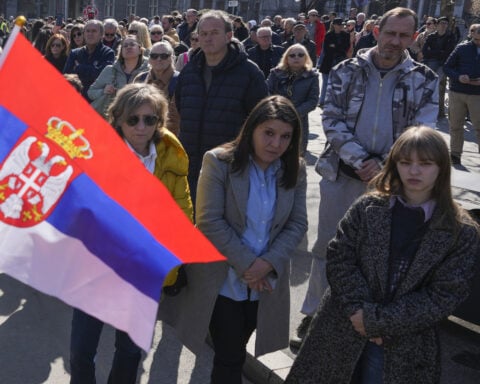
x=400 y=262
x=251 y=206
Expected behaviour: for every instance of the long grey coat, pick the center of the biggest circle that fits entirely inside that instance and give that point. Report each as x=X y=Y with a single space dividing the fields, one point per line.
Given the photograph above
x=221 y=207
x=357 y=268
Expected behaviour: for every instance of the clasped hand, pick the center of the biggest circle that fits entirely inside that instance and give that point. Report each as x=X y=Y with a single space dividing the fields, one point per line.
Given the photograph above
x=357 y=322
x=256 y=275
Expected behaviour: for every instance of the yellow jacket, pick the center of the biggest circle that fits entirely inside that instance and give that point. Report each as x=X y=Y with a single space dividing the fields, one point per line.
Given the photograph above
x=171 y=168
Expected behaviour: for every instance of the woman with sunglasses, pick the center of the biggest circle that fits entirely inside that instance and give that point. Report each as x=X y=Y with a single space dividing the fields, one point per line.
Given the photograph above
x=162 y=74
x=141 y=31
x=156 y=33
x=138 y=113
x=295 y=78
x=130 y=62
x=77 y=39
x=56 y=51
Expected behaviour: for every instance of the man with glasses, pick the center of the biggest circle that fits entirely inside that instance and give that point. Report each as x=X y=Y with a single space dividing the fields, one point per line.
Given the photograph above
x=216 y=91
x=436 y=50
x=88 y=61
x=265 y=54
x=111 y=38
x=371 y=99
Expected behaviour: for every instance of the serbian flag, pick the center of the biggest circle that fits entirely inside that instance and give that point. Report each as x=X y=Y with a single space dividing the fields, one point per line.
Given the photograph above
x=81 y=219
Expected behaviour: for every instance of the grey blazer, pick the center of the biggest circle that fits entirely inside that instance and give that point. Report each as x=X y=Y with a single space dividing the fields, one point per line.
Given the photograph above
x=220 y=215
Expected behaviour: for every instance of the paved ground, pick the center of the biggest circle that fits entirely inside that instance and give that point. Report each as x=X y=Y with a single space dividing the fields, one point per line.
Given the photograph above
x=34 y=328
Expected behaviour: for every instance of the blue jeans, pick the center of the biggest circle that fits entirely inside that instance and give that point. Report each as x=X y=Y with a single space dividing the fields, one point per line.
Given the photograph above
x=372 y=364
x=84 y=340
x=323 y=91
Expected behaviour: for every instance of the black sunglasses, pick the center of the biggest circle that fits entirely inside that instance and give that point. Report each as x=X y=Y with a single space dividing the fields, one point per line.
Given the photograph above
x=156 y=33
x=293 y=55
x=78 y=34
x=109 y=34
x=147 y=120
x=162 y=56
x=132 y=31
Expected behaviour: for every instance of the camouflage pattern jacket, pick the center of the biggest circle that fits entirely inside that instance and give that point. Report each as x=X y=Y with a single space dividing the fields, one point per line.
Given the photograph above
x=414 y=102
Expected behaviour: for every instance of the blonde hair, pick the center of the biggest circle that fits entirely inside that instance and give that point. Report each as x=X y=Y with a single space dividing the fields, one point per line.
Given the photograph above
x=283 y=65
x=143 y=36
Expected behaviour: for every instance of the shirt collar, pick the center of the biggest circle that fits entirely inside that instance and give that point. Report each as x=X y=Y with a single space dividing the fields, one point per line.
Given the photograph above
x=152 y=151
x=427 y=207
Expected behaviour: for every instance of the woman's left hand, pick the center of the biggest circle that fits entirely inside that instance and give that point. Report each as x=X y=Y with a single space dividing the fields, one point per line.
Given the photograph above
x=357 y=322
x=257 y=271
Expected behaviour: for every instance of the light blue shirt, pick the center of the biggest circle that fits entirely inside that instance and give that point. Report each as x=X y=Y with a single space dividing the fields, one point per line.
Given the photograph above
x=262 y=197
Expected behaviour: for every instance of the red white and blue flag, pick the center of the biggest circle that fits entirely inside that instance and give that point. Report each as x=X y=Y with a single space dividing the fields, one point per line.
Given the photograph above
x=80 y=217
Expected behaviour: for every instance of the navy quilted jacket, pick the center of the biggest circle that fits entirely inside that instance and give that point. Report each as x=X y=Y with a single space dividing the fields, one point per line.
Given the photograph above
x=211 y=118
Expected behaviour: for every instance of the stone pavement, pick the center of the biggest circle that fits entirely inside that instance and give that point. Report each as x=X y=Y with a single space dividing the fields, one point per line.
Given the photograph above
x=35 y=328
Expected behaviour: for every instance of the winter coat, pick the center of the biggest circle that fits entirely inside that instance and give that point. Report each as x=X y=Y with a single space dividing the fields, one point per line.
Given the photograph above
x=266 y=59
x=335 y=47
x=171 y=167
x=115 y=75
x=89 y=66
x=302 y=90
x=464 y=60
x=212 y=117
x=220 y=214
x=437 y=281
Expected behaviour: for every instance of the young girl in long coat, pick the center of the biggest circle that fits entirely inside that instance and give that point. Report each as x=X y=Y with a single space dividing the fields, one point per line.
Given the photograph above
x=400 y=262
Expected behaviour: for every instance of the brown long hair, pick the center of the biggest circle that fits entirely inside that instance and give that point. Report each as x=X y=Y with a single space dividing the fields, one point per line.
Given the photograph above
x=270 y=108
x=428 y=145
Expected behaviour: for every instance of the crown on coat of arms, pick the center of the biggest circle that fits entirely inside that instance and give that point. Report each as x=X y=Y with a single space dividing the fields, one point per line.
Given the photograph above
x=69 y=138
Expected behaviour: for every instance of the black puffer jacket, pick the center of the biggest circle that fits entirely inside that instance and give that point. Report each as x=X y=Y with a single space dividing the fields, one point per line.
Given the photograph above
x=213 y=117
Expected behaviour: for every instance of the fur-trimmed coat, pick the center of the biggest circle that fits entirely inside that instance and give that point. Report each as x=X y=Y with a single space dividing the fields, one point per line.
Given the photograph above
x=357 y=268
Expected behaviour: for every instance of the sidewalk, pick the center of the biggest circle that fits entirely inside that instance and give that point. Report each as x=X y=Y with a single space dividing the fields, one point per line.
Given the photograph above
x=457 y=336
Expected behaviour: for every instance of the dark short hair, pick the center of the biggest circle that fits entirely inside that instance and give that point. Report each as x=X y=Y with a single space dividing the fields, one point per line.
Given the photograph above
x=219 y=15
x=399 y=12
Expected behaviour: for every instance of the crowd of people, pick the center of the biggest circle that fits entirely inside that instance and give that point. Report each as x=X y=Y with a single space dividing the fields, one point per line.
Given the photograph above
x=217 y=109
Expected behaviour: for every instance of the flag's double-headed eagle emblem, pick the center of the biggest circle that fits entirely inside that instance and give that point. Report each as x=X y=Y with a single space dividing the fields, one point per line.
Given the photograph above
x=33 y=176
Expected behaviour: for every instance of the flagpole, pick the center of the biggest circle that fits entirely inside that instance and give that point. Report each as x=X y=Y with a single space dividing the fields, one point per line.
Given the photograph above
x=20 y=21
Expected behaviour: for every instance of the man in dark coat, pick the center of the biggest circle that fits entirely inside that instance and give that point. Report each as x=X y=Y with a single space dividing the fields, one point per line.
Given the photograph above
x=265 y=54
x=215 y=91
x=88 y=61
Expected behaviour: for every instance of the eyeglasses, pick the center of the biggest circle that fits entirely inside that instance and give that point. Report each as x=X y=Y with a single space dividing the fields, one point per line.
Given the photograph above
x=109 y=34
x=132 y=31
x=131 y=44
x=78 y=34
x=162 y=56
x=156 y=33
x=194 y=39
x=429 y=23
x=132 y=121
x=57 y=45
x=294 y=55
